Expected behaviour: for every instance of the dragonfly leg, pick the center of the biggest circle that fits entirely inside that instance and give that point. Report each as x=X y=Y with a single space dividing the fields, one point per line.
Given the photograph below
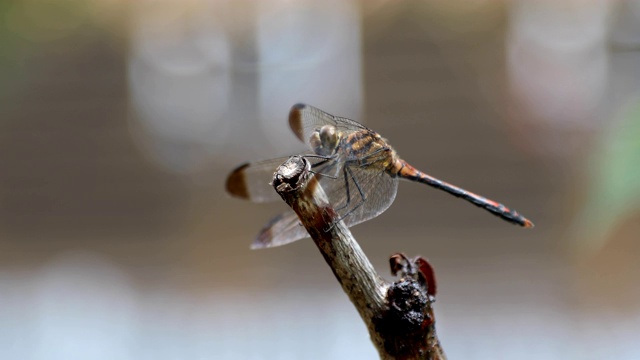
x=362 y=196
x=355 y=182
x=346 y=185
x=323 y=162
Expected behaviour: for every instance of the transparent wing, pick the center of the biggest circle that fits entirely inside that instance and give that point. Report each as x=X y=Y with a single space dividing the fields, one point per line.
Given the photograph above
x=282 y=229
x=305 y=119
x=357 y=197
x=361 y=193
x=286 y=228
x=250 y=181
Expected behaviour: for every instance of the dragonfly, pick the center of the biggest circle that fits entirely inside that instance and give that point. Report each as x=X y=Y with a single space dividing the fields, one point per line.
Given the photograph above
x=356 y=167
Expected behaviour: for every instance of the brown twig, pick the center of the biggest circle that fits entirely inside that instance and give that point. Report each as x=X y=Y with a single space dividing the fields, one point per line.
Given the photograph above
x=399 y=315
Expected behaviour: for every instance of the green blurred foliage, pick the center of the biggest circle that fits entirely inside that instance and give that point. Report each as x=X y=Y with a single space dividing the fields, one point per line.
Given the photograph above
x=614 y=182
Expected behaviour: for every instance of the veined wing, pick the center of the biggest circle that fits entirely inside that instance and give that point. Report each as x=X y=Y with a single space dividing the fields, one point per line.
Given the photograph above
x=305 y=119
x=283 y=229
x=361 y=194
x=250 y=181
x=358 y=196
x=286 y=227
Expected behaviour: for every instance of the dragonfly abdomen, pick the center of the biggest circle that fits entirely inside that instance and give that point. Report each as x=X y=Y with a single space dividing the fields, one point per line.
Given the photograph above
x=408 y=172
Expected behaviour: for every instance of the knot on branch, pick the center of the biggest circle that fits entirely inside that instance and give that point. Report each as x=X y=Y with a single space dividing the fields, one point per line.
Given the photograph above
x=407 y=324
x=408 y=302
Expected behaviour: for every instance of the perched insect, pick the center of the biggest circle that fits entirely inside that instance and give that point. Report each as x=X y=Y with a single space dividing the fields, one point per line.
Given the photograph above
x=357 y=169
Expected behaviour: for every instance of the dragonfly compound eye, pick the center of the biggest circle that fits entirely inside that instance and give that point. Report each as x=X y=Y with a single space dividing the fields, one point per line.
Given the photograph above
x=314 y=141
x=329 y=138
x=324 y=140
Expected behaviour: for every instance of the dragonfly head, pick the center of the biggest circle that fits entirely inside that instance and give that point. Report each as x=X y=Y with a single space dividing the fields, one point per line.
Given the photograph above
x=324 y=140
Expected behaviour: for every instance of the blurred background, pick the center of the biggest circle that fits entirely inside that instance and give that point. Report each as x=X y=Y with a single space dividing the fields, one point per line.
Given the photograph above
x=120 y=120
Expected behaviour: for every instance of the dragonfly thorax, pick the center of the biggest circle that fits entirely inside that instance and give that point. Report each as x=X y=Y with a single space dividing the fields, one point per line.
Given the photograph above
x=324 y=140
